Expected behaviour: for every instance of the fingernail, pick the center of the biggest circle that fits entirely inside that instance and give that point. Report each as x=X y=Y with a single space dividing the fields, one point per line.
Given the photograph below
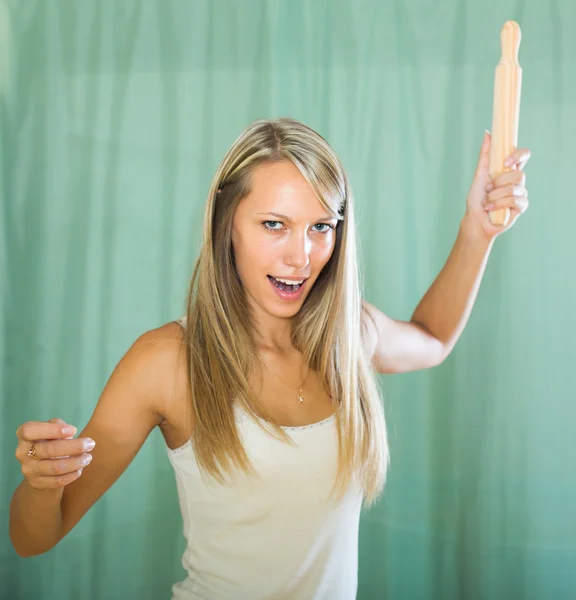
x=70 y=430
x=489 y=206
x=90 y=445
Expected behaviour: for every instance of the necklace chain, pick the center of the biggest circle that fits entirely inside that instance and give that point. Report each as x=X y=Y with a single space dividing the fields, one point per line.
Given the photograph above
x=299 y=390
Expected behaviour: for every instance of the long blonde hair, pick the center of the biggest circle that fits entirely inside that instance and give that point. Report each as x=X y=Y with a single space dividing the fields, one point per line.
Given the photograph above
x=221 y=349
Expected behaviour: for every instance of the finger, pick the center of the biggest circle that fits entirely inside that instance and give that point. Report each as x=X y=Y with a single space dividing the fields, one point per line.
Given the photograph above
x=51 y=482
x=61 y=448
x=522 y=164
x=505 y=192
x=60 y=422
x=484 y=155
x=514 y=214
x=520 y=155
x=520 y=204
x=509 y=177
x=39 y=430
x=60 y=466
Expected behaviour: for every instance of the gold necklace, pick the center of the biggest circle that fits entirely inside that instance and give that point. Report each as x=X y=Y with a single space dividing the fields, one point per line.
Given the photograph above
x=299 y=390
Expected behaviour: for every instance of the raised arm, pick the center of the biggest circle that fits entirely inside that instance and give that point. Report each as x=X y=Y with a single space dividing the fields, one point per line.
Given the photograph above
x=440 y=317
x=398 y=346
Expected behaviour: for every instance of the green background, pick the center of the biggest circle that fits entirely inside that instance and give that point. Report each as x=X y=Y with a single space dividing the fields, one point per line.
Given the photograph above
x=114 y=117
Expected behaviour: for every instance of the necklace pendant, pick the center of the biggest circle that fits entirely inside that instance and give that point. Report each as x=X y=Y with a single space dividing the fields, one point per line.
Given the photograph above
x=300 y=396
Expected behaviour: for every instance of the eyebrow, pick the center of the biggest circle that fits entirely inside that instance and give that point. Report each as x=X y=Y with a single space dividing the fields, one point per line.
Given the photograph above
x=287 y=218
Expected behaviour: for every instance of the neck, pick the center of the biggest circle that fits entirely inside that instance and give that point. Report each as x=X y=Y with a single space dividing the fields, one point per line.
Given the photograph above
x=273 y=333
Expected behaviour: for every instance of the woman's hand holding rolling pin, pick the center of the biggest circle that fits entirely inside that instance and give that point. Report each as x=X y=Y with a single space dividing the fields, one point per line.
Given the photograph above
x=507 y=190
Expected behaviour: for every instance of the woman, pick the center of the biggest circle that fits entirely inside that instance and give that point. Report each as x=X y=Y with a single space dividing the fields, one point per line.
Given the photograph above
x=265 y=391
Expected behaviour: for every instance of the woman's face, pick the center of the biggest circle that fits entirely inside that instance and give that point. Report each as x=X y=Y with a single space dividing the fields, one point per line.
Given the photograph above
x=281 y=231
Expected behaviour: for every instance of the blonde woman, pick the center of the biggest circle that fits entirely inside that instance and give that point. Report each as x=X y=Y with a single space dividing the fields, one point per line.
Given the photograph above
x=265 y=389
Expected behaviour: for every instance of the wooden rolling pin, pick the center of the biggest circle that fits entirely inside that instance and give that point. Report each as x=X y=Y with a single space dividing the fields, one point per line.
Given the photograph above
x=506 y=111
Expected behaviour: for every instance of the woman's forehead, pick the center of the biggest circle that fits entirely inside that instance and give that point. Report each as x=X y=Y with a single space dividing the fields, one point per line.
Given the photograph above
x=280 y=187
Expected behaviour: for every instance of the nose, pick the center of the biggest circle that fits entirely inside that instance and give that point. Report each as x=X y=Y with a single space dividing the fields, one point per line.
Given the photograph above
x=298 y=250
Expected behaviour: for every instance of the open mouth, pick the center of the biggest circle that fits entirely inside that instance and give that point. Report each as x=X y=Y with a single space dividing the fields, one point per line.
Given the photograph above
x=284 y=286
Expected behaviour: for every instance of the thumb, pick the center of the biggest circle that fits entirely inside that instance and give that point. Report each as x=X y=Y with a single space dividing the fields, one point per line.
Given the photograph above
x=483 y=166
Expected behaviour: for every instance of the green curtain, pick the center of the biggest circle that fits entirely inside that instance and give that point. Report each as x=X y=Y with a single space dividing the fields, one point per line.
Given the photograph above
x=114 y=117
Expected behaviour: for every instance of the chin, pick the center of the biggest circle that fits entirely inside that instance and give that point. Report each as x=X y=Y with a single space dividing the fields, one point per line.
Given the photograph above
x=283 y=311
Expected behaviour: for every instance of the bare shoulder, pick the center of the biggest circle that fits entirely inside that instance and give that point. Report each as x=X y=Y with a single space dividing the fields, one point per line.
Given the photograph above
x=157 y=356
x=167 y=344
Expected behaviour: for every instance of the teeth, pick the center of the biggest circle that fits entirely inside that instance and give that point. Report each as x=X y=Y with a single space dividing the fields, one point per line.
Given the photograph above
x=289 y=282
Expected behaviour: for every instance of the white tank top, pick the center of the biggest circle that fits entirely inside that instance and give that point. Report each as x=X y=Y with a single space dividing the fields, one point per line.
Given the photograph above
x=279 y=537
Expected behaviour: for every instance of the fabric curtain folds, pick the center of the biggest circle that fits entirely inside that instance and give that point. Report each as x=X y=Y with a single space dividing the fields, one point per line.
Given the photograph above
x=114 y=116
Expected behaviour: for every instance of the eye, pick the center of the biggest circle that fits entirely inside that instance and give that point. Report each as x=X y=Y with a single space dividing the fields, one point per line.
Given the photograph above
x=273 y=226
x=266 y=225
x=329 y=227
